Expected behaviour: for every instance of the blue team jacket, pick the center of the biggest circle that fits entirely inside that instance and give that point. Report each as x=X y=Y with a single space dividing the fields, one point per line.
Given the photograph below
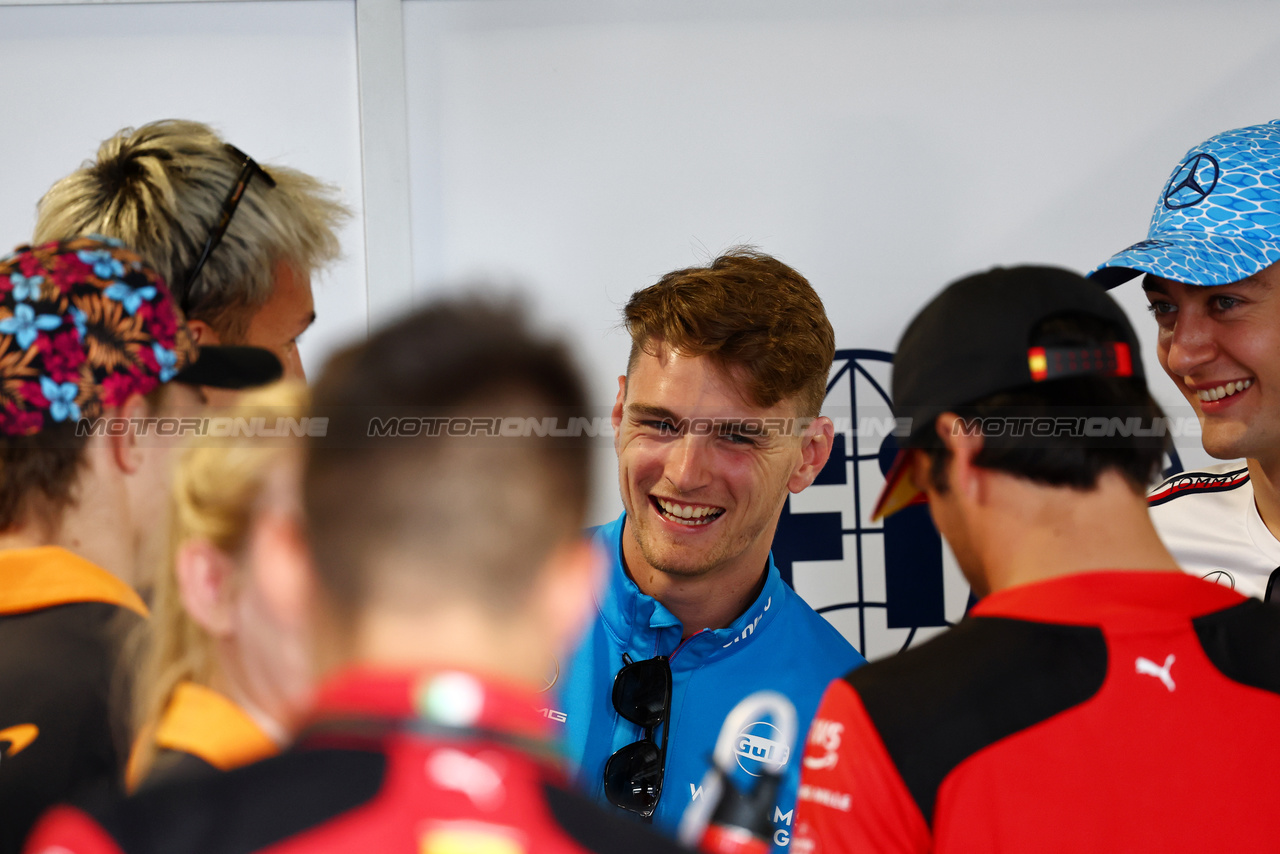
x=780 y=643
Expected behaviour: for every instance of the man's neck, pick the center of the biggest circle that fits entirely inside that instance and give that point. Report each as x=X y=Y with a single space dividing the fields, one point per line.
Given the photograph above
x=1266 y=493
x=23 y=538
x=96 y=528
x=1045 y=533
x=514 y=648
x=711 y=600
x=105 y=552
x=93 y=530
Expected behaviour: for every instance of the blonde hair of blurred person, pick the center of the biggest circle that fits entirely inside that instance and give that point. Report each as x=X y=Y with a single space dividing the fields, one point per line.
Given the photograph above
x=226 y=667
x=162 y=189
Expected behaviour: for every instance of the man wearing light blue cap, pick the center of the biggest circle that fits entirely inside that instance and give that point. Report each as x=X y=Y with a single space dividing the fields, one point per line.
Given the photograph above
x=1212 y=265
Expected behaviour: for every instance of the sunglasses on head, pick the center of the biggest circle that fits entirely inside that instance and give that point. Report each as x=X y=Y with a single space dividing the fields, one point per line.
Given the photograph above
x=641 y=695
x=248 y=168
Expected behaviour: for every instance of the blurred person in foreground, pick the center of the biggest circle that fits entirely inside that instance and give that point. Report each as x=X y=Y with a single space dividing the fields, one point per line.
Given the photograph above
x=717 y=422
x=447 y=570
x=237 y=242
x=1212 y=264
x=224 y=668
x=94 y=358
x=1073 y=710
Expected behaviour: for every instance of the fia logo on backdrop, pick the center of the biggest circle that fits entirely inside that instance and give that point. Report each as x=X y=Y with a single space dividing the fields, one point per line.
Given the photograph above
x=886 y=585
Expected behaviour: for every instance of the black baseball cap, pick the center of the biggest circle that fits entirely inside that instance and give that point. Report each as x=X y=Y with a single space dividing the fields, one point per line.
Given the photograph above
x=974 y=340
x=231 y=367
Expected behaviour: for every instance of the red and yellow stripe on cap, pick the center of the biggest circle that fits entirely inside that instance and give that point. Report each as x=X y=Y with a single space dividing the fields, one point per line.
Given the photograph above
x=898 y=490
x=1107 y=360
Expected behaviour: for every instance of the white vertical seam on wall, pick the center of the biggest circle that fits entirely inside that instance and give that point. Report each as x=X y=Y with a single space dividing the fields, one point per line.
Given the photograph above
x=384 y=155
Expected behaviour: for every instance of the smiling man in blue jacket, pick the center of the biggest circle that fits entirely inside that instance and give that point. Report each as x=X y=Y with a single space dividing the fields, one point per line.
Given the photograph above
x=716 y=423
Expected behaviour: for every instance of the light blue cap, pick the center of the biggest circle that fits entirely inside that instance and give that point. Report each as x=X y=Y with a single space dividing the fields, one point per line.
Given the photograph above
x=1217 y=220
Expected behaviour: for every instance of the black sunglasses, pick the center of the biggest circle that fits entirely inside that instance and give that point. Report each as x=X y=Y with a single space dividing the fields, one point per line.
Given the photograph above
x=248 y=168
x=642 y=695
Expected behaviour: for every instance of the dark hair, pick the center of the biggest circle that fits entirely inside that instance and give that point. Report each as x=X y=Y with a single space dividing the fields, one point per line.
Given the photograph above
x=1099 y=423
x=746 y=310
x=38 y=474
x=405 y=513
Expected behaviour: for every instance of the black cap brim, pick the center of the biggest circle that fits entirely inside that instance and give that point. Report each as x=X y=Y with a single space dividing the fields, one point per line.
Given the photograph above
x=232 y=367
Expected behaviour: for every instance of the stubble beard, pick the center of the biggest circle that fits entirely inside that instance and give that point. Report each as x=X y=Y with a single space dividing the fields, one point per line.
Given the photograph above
x=666 y=559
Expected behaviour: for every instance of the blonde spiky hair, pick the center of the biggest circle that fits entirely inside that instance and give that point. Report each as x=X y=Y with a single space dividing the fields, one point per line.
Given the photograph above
x=160 y=189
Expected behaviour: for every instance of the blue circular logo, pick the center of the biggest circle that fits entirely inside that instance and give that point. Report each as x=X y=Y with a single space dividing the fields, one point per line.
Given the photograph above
x=759 y=748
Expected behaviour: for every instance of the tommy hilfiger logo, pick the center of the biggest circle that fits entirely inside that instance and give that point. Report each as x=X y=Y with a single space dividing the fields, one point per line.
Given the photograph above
x=1147 y=667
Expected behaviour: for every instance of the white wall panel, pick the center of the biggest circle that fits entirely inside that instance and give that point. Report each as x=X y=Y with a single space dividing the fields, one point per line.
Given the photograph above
x=278 y=79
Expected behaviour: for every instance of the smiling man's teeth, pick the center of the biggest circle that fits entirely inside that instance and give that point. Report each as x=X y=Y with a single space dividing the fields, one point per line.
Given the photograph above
x=1222 y=391
x=688 y=514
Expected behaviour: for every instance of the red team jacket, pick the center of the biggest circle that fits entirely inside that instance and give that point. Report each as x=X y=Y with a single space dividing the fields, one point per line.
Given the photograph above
x=422 y=764
x=1107 y=711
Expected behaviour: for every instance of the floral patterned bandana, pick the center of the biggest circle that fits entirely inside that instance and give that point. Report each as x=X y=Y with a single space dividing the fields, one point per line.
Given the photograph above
x=84 y=324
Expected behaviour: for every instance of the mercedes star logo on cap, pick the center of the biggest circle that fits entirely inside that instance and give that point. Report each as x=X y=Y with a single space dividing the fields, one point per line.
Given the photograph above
x=1194 y=180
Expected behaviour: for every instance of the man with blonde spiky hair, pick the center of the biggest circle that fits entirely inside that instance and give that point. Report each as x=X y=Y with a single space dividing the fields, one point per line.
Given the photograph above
x=237 y=242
